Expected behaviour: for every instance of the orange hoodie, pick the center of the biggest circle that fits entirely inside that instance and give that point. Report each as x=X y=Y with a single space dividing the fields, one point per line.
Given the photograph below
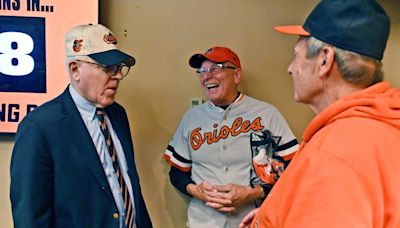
x=346 y=172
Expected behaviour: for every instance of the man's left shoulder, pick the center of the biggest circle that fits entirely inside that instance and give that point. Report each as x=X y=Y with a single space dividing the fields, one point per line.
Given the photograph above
x=359 y=126
x=356 y=136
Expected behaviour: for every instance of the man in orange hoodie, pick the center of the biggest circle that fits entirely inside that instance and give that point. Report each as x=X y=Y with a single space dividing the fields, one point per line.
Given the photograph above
x=346 y=172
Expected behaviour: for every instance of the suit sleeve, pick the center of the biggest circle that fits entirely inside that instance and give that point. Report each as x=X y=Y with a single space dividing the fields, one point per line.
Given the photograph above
x=32 y=178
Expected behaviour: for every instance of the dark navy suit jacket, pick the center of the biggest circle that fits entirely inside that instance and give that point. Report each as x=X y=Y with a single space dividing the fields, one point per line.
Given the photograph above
x=57 y=179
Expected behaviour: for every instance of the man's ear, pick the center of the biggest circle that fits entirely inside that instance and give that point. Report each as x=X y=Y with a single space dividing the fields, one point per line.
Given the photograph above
x=74 y=70
x=326 y=60
x=238 y=74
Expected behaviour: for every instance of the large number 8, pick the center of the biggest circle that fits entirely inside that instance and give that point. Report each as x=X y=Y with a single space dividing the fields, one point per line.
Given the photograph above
x=14 y=50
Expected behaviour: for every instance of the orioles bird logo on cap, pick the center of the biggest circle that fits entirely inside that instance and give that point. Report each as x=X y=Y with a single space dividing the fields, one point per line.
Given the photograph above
x=77 y=45
x=209 y=51
x=110 y=39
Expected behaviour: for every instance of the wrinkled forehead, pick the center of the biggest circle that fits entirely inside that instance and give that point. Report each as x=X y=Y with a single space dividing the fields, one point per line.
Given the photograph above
x=301 y=45
x=207 y=63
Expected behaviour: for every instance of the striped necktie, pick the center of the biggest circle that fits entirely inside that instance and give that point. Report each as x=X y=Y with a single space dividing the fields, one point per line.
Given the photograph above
x=129 y=210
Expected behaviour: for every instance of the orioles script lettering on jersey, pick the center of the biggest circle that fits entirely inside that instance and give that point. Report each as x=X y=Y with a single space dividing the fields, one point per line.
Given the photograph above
x=238 y=126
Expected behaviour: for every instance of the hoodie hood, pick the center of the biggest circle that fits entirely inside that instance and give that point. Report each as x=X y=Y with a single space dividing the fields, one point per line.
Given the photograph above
x=379 y=102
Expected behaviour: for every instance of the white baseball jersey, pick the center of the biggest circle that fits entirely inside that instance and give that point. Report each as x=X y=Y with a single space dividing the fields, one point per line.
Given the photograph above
x=214 y=144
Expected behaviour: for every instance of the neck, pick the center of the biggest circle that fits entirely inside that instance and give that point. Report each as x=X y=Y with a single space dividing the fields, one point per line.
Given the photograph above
x=333 y=91
x=227 y=105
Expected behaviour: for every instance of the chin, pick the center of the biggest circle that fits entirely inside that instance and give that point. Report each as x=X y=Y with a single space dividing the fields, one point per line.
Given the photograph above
x=296 y=97
x=215 y=98
x=301 y=100
x=107 y=102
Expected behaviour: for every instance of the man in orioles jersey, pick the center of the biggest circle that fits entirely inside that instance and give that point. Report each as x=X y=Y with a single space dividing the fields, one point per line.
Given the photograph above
x=210 y=153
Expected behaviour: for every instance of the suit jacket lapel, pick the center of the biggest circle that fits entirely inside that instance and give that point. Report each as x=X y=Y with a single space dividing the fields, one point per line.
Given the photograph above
x=78 y=134
x=123 y=132
x=121 y=127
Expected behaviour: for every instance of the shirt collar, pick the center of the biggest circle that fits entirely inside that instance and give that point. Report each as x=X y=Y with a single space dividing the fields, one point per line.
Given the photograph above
x=85 y=107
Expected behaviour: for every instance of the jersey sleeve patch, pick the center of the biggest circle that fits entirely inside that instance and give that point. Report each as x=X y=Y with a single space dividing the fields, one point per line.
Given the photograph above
x=287 y=148
x=174 y=159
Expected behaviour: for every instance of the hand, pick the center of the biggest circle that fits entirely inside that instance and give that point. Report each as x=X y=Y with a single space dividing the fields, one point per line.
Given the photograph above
x=231 y=196
x=207 y=193
x=246 y=221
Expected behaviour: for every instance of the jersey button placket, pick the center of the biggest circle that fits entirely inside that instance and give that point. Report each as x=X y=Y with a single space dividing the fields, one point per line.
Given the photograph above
x=224 y=146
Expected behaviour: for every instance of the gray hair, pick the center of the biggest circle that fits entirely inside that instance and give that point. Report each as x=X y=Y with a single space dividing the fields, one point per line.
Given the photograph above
x=354 y=67
x=69 y=59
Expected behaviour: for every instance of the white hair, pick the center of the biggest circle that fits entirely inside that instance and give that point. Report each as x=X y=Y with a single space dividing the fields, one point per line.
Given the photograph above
x=70 y=59
x=355 y=68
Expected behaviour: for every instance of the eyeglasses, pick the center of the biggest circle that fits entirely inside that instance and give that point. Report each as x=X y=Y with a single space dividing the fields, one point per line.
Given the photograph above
x=214 y=69
x=112 y=70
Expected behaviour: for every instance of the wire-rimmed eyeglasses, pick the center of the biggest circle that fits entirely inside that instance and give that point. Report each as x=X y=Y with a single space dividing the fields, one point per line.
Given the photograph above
x=112 y=70
x=213 y=69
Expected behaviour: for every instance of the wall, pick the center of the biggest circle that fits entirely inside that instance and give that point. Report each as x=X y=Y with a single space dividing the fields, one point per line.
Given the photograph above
x=6 y=144
x=162 y=35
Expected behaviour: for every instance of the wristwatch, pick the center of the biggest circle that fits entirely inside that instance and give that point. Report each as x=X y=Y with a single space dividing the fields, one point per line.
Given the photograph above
x=261 y=191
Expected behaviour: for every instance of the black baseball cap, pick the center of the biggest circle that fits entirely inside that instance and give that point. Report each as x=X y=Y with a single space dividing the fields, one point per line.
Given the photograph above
x=360 y=26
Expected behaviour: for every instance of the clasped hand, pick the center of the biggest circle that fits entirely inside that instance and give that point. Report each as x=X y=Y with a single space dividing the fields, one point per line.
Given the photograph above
x=224 y=198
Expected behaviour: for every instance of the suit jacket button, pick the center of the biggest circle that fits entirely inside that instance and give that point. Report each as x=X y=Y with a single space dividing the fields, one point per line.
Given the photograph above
x=116 y=215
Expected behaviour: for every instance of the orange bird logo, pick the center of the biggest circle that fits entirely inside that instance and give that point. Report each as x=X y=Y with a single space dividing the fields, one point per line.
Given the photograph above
x=77 y=45
x=110 y=38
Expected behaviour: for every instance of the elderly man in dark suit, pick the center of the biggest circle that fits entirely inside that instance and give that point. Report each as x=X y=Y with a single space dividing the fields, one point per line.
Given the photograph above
x=73 y=162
